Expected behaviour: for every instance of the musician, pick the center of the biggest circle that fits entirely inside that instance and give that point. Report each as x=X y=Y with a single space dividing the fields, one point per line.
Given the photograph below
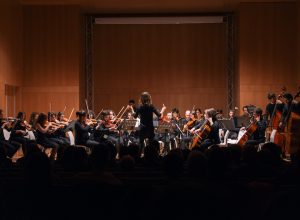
x=169 y=117
x=233 y=134
x=44 y=129
x=258 y=135
x=129 y=116
x=175 y=114
x=112 y=115
x=177 y=122
x=290 y=106
x=246 y=112
x=107 y=129
x=270 y=108
x=61 y=118
x=145 y=111
x=191 y=122
x=91 y=115
x=60 y=133
x=19 y=131
x=131 y=136
x=82 y=129
x=131 y=104
x=199 y=114
x=33 y=118
x=213 y=136
x=187 y=116
x=10 y=146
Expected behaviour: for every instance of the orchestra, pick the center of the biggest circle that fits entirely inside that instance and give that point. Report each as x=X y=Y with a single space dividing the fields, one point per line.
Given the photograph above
x=136 y=124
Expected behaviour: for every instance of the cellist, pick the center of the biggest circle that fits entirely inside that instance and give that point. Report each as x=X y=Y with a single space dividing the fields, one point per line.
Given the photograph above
x=213 y=137
x=258 y=136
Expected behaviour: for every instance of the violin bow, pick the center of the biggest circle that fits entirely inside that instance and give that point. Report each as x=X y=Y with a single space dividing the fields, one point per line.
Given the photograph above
x=87 y=106
x=99 y=114
x=119 y=113
x=71 y=114
x=64 y=109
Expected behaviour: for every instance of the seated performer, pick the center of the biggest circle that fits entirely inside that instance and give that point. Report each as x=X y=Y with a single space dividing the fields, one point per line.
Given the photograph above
x=10 y=146
x=60 y=132
x=258 y=135
x=107 y=131
x=213 y=135
x=19 y=132
x=233 y=134
x=44 y=129
x=82 y=129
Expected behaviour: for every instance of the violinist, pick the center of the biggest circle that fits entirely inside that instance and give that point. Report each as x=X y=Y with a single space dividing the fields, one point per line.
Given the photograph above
x=82 y=129
x=10 y=146
x=108 y=131
x=44 y=129
x=107 y=126
x=200 y=116
x=129 y=116
x=32 y=119
x=131 y=104
x=112 y=115
x=246 y=112
x=187 y=116
x=60 y=118
x=19 y=131
x=191 y=123
x=258 y=135
x=168 y=117
x=145 y=111
x=59 y=132
x=175 y=115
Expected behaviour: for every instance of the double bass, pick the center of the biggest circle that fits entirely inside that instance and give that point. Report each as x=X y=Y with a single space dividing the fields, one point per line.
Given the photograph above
x=276 y=135
x=292 y=128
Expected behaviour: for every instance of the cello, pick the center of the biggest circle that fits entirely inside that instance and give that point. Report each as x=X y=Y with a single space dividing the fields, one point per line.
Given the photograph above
x=249 y=132
x=203 y=132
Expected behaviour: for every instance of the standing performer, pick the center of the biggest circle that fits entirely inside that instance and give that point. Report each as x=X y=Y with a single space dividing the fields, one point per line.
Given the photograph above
x=270 y=108
x=145 y=111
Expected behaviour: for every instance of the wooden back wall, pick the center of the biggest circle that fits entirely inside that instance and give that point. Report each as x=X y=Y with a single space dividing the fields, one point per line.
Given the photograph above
x=180 y=65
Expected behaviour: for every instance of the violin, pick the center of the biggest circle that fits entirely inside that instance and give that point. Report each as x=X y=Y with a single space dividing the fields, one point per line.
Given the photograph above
x=10 y=122
x=189 y=124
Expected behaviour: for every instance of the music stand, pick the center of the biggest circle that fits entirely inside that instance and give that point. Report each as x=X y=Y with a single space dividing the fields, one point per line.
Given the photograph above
x=164 y=127
x=227 y=124
x=243 y=121
x=129 y=125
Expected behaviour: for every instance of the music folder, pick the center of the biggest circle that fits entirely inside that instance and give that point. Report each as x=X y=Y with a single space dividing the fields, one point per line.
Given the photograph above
x=227 y=124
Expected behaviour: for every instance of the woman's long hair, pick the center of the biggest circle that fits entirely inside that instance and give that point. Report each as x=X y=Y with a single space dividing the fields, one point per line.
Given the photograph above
x=42 y=119
x=146 y=98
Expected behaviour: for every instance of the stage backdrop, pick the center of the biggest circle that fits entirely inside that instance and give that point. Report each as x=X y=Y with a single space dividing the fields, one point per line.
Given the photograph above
x=180 y=65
